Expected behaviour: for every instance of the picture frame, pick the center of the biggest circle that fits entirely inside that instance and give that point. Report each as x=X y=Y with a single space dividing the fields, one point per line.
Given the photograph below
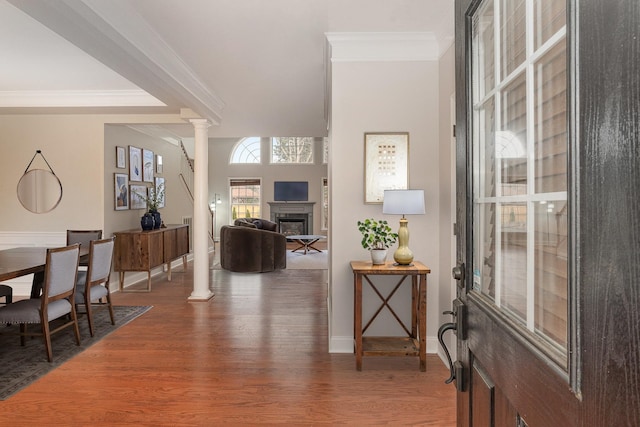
x=137 y=202
x=386 y=164
x=158 y=185
x=121 y=191
x=158 y=163
x=121 y=158
x=148 y=167
x=135 y=164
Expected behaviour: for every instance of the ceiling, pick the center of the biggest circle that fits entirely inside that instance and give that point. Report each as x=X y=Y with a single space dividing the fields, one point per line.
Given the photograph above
x=253 y=67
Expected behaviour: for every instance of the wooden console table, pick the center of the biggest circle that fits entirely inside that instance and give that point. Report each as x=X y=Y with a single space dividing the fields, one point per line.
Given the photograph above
x=414 y=344
x=137 y=250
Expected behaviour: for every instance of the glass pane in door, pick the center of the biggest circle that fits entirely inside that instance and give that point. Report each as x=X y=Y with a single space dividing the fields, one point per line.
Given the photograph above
x=513 y=133
x=551 y=268
x=549 y=16
x=551 y=121
x=513 y=40
x=484 y=237
x=520 y=167
x=484 y=49
x=513 y=259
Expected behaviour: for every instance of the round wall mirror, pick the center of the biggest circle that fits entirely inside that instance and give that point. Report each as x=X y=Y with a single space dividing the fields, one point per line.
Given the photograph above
x=39 y=191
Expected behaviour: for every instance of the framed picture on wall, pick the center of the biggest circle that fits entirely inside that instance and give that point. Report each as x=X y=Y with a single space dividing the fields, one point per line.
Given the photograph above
x=148 y=167
x=121 y=191
x=138 y=192
x=121 y=158
x=135 y=164
x=158 y=163
x=386 y=164
x=160 y=190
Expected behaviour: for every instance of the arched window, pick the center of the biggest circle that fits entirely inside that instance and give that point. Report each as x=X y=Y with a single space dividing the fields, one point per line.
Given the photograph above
x=247 y=150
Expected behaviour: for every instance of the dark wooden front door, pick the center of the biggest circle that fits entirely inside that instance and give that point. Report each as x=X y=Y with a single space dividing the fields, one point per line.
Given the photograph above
x=548 y=212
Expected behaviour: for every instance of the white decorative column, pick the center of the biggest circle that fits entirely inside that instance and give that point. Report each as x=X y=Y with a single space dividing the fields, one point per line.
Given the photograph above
x=201 y=290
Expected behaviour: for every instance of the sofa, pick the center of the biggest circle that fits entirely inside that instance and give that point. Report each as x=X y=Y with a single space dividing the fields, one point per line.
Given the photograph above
x=252 y=245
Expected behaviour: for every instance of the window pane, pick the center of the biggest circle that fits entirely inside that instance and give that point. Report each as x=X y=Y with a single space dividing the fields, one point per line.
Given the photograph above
x=549 y=17
x=292 y=150
x=325 y=150
x=325 y=204
x=484 y=237
x=484 y=49
x=246 y=151
x=245 y=201
x=519 y=168
x=551 y=270
x=551 y=121
x=513 y=258
x=512 y=35
x=486 y=175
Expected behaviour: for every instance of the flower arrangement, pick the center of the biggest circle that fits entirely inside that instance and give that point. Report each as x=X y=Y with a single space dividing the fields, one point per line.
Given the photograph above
x=376 y=234
x=154 y=199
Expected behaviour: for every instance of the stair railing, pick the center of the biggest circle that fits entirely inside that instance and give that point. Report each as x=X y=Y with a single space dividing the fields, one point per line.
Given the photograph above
x=187 y=176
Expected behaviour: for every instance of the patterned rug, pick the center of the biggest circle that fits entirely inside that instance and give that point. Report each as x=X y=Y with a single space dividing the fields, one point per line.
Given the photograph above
x=23 y=365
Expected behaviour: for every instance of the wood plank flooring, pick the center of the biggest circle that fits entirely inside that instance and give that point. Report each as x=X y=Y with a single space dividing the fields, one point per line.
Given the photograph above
x=257 y=353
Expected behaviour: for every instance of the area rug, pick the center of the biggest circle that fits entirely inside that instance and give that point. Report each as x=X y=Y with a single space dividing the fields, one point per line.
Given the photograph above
x=23 y=365
x=311 y=261
x=298 y=261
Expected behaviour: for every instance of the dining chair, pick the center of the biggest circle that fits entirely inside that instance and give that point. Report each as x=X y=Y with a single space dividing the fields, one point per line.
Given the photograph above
x=6 y=291
x=56 y=301
x=92 y=285
x=84 y=237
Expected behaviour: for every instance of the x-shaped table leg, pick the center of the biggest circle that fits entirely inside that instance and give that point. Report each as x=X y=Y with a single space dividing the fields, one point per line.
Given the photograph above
x=385 y=303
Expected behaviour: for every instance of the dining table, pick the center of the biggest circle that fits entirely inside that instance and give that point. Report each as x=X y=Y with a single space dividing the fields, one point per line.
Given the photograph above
x=21 y=261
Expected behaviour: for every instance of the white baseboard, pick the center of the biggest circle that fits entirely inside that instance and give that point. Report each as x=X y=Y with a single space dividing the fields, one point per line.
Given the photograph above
x=341 y=345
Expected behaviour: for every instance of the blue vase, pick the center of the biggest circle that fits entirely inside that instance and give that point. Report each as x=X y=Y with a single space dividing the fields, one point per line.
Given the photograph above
x=156 y=218
x=147 y=222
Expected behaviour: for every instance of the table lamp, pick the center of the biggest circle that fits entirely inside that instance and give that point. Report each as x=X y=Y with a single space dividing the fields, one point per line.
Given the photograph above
x=403 y=202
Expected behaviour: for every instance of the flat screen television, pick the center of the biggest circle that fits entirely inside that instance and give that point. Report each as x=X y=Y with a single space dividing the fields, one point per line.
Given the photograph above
x=290 y=191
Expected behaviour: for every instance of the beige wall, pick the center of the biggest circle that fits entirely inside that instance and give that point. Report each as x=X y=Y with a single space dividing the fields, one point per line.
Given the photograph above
x=177 y=201
x=220 y=171
x=73 y=146
x=369 y=97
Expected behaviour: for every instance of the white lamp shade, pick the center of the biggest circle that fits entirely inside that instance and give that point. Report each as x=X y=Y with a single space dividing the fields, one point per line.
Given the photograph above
x=403 y=202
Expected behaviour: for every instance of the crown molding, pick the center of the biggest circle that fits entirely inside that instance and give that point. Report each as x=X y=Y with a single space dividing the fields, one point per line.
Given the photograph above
x=366 y=47
x=124 y=41
x=78 y=98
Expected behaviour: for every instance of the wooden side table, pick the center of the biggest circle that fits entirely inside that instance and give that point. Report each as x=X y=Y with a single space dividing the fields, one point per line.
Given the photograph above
x=415 y=343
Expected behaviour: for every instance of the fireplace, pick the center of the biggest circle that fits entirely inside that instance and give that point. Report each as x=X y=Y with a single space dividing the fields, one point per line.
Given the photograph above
x=293 y=217
x=292 y=226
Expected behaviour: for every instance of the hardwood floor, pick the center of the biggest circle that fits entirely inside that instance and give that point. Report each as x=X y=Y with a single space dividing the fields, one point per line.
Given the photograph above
x=257 y=353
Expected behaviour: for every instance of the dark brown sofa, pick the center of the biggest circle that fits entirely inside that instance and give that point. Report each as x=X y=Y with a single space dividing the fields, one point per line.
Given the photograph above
x=250 y=246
